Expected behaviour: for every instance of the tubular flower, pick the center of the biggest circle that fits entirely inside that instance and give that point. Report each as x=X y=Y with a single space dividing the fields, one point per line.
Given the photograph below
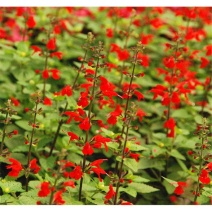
x=179 y=189
x=15 y=166
x=44 y=189
x=31 y=22
x=33 y=166
x=85 y=124
x=58 y=198
x=76 y=173
x=110 y=193
x=66 y=91
x=51 y=45
x=87 y=149
x=204 y=177
x=47 y=101
x=170 y=124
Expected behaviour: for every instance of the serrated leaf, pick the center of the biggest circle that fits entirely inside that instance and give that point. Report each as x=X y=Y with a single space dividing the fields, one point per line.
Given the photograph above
x=142 y=188
x=113 y=145
x=130 y=163
x=176 y=154
x=25 y=200
x=6 y=198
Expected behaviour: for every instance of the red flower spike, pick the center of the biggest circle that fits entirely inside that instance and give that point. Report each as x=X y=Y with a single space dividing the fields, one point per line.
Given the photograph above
x=57 y=29
x=51 y=45
x=33 y=166
x=85 y=124
x=58 y=200
x=175 y=98
x=47 y=101
x=66 y=91
x=110 y=193
x=15 y=166
x=109 y=33
x=31 y=22
x=99 y=140
x=139 y=95
x=209 y=50
x=45 y=74
x=179 y=190
x=87 y=149
x=123 y=55
x=76 y=173
x=72 y=115
x=169 y=62
x=44 y=190
x=209 y=166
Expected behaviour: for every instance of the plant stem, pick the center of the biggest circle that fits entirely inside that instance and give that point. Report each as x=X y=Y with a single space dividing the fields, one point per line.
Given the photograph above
x=123 y=129
x=31 y=141
x=66 y=106
x=4 y=133
x=89 y=117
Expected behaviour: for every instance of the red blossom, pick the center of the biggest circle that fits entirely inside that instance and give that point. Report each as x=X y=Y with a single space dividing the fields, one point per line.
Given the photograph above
x=31 y=22
x=73 y=136
x=98 y=171
x=76 y=173
x=69 y=183
x=15 y=101
x=140 y=113
x=66 y=91
x=173 y=198
x=15 y=166
x=87 y=149
x=99 y=140
x=175 y=98
x=209 y=166
x=209 y=50
x=109 y=33
x=179 y=189
x=44 y=189
x=169 y=62
x=47 y=101
x=204 y=62
x=145 y=39
x=139 y=95
x=113 y=115
x=110 y=193
x=83 y=99
x=51 y=45
x=123 y=54
x=57 y=29
x=204 y=177
x=170 y=124
x=57 y=54
x=36 y=49
x=33 y=166
x=135 y=156
x=45 y=74
x=55 y=73
x=15 y=132
x=85 y=124
x=158 y=90
x=58 y=200
x=72 y=115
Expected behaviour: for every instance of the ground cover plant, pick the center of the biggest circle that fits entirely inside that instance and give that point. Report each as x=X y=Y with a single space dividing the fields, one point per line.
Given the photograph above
x=105 y=106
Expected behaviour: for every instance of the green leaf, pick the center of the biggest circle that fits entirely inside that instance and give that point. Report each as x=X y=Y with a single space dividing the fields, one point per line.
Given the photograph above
x=95 y=201
x=172 y=182
x=182 y=165
x=7 y=199
x=146 y=163
x=130 y=163
x=131 y=191
x=11 y=186
x=142 y=188
x=48 y=163
x=135 y=147
x=24 y=125
x=207 y=192
x=176 y=154
x=21 y=148
x=113 y=145
x=25 y=200
x=34 y=183
x=139 y=179
x=180 y=113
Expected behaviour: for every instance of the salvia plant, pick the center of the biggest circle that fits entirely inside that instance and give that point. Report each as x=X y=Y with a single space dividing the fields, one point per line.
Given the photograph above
x=105 y=106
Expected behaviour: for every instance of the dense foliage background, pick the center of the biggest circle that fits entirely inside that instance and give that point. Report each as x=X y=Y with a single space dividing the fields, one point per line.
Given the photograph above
x=105 y=105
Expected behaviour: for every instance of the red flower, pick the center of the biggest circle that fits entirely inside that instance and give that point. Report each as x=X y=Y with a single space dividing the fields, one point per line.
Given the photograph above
x=98 y=171
x=66 y=91
x=72 y=115
x=145 y=39
x=204 y=177
x=109 y=33
x=36 y=49
x=173 y=198
x=76 y=173
x=113 y=115
x=99 y=140
x=44 y=190
x=209 y=50
x=15 y=132
x=110 y=193
x=158 y=90
x=73 y=136
x=179 y=189
x=135 y=156
x=55 y=73
x=87 y=149
x=47 y=101
x=58 y=198
x=45 y=74
x=85 y=124
x=15 y=166
x=123 y=54
x=57 y=29
x=169 y=62
x=170 y=124
x=51 y=45
x=33 y=166
x=15 y=101
x=175 y=98
x=139 y=95
x=83 y=99
x=204 y=62
x=209 y=166
x=69 y=183
x=31 y=22
x=140 y=113
x=57 y=54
